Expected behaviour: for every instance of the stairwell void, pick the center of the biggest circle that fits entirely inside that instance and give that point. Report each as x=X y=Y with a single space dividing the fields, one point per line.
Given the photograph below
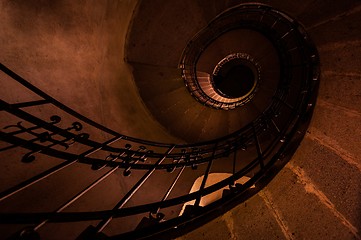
x=235 y=78
x=194 y=120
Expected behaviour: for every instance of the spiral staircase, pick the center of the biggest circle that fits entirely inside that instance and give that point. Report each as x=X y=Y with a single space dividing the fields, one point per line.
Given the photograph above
x=121 y=120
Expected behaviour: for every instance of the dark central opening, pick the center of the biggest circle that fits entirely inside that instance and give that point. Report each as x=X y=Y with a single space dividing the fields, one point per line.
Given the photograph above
x=234 y=79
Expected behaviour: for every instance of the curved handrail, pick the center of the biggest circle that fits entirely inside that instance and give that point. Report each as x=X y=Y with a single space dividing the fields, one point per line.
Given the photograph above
x=49 y=138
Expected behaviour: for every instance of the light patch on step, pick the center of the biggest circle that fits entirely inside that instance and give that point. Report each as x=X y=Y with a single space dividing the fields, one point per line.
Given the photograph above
x=213 y=178
x=229 y=221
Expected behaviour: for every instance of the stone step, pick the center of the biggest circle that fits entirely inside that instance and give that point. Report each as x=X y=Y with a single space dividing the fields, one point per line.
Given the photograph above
x=216 y=126
x=156 y=81
x=301 y=210
x=338 y=182
x=250 y=220
x=339 y=128
x=316 y=196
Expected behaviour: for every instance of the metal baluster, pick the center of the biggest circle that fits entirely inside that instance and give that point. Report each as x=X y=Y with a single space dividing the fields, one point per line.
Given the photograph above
x=287 y=33
x=262 y=15
x=154 y=214
x=110 y=158
x=204 y=180
x=177 y=160
x=100 y=227
x=85 y=190
x=292 y=49
x=258 y=147
x=274 y=24
x=11 y=191
x=286 y=104
x=275 y=125
x=234 y=165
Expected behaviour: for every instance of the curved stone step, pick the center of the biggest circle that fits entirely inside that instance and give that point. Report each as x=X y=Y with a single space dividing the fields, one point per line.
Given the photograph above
x=291 y=207
x=304 y=201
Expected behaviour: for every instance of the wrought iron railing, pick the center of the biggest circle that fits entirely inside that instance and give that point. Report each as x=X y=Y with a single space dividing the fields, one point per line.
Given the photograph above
x=45 y=128
x=286 y=34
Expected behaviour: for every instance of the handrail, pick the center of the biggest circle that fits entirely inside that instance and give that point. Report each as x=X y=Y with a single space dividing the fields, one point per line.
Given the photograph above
x=288 y=112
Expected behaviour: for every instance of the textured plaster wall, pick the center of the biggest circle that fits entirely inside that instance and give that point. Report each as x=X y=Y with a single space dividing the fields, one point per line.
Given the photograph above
x=73 y=50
